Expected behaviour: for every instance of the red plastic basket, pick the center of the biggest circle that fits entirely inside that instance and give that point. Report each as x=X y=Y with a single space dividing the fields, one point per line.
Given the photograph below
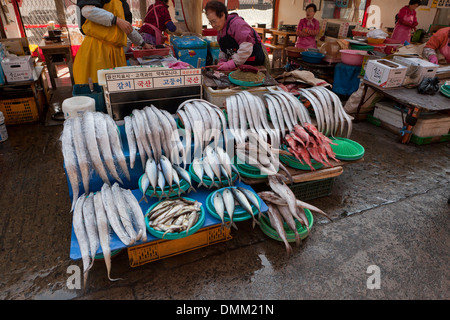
x=359 y=33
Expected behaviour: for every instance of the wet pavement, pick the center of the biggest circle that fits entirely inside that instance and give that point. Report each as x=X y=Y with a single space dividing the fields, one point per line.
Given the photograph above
x=390 y=214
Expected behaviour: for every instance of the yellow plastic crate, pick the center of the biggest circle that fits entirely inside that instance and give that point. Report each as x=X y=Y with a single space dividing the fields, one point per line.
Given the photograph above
x=160 y=249
x=17 y=111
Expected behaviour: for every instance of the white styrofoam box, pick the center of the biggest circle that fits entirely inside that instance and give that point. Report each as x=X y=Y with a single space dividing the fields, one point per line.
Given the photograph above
x=18 y=68
x=385 y=73
x=432 y=126
x=417 y=69
x=219 y=96
x=428 y=125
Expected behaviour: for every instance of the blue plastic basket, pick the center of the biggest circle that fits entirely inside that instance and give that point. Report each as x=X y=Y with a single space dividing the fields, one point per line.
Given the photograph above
x=312 y=57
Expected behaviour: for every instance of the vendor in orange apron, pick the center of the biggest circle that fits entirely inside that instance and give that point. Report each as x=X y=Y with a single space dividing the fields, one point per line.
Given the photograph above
x=439 y=43
x=106 y=25
x=156 y=21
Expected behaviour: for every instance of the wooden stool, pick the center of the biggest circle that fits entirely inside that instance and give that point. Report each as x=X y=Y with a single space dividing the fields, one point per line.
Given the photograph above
x=277 y=54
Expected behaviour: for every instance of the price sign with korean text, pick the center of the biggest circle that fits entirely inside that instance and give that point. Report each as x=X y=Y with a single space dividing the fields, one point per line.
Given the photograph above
x=158 y=79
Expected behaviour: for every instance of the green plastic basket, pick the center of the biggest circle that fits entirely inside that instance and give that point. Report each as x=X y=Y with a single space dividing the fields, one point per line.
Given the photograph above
x=347 y=149
x=312 y=189
x=175 y=235
x=247 y=170
x=208 y=181
x=445 y=90
x=267 y=228
x=239 y=213
x=244 y=83
x=183 y=184
x=355 y=46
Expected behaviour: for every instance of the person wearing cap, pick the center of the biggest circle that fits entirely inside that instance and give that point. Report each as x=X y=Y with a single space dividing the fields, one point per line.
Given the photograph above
x=106 y=25
x=438 y=43
x=238 y=41
x=406 y=21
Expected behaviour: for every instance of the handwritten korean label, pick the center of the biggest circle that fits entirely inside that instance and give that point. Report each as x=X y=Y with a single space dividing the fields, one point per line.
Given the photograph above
x=158 y=79
x=120 y=85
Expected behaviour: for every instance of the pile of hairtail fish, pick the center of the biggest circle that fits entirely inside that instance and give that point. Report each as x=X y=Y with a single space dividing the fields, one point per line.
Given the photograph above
x=153 y=132
x=95 y=214
x=258 y=125
x=174 y=215
x=92 y=142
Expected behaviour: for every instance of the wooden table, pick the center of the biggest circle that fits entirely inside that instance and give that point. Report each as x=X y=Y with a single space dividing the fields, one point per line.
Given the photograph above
x=286 y=43
x=57 y=48
x=304 y=176
x=410 y=98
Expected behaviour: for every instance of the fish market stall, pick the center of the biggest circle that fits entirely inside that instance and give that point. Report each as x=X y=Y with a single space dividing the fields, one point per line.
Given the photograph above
x=138 y=174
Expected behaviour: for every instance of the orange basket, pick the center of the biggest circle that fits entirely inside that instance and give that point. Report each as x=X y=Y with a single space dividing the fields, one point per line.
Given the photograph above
x=18 y=111
x=375 y=41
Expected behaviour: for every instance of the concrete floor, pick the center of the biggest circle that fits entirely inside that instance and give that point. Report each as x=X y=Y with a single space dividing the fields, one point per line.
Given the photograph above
x=389 y=211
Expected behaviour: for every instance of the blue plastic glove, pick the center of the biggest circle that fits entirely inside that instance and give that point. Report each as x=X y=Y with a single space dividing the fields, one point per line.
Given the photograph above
x=226 y=66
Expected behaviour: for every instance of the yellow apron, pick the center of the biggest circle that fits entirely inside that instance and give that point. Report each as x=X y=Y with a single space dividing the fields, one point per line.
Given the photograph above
x=102 y=47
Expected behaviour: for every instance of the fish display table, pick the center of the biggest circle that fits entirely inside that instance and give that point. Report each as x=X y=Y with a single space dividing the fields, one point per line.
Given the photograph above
x=201 y=196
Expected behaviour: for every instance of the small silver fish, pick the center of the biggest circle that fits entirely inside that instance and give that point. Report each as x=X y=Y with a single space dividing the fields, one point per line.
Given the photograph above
x=151 y=170
x=161 y=184
x=166 y=167
x=145 y=183
x=184 y=174
x=244 y=203
x=228 y=200
x=198 y=170
x=219 y=207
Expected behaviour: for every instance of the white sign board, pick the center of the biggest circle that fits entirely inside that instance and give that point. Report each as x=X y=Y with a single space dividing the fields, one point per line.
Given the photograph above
x=145 y=80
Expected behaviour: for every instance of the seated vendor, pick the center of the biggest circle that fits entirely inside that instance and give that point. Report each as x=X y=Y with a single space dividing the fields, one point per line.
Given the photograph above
x=438 y=43
x=307 y=29
x=238 y=41
x=156 y=21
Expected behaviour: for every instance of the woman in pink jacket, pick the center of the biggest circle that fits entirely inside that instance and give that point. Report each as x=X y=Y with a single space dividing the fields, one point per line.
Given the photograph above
x=239 y=43
x=407 y=21
x=307 y=29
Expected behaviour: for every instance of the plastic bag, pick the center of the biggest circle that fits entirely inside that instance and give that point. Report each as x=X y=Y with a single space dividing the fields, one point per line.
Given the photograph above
x=377 y=34
x=428 y=86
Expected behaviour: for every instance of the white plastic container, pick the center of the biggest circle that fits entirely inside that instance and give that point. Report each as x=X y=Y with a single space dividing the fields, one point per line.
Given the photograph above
x=3 y=132
x=76 y=106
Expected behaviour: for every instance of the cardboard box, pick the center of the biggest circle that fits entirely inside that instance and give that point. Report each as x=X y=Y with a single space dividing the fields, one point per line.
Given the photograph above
x=417 y=69
x=18 y=68
x=385 y=73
